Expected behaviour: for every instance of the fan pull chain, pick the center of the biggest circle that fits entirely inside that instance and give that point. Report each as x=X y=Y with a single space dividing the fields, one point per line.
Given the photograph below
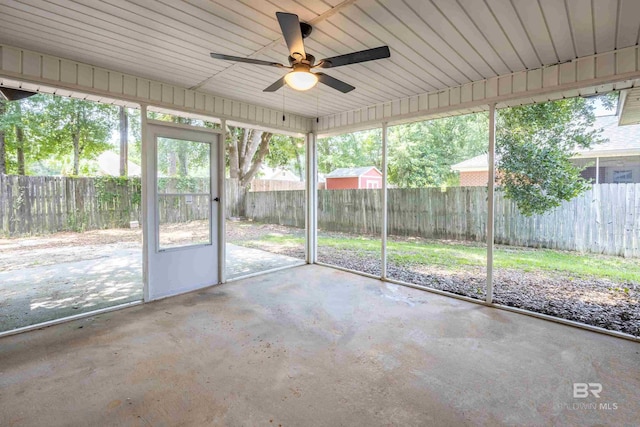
x=283 y=91
x=318 y=106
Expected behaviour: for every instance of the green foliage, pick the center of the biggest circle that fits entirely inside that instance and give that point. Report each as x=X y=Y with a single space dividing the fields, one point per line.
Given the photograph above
x=421 y=154
x=20 y=119
x=286 y=152
x=350 y=150
x=135 y=130
x=183 y=184
x=534 y=145
x=179 y=158
x=110 y=191
x=460 y=256
x=62 y=131
x=109 y=188
x=82 y=128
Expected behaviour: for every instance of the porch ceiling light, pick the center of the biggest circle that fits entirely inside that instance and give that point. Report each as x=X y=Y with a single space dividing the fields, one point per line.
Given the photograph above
x=301 y=78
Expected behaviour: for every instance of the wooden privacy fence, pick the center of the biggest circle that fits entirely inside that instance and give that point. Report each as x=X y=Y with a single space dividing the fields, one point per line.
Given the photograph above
x=605 y=219
x=47 y=204
x=276 y=185
x=277 y=207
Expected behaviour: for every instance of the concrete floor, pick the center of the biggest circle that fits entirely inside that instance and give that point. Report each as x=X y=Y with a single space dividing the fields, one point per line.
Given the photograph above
x=315 y=346
x=42 y=284
x=242 y=261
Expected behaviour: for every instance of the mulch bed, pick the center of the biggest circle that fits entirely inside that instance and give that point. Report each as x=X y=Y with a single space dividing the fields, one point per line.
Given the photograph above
x=594 y=301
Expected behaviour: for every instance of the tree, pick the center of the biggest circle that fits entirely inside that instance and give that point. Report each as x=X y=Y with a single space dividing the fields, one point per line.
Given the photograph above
x=74 y=125
x=247 y=149
x=534 y=145
x=286 y=152
x=240 y=144
x=3 y=155
x=350 y=150
x=16 y=124
x=421 y=153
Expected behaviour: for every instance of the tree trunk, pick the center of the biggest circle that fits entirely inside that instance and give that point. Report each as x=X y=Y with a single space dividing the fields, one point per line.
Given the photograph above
x=76 y=153
x=20 y=150
x=299 y=161
x=124 y=142
x=251 y=147
x=20 y=143
x=243 y=161
x=232 y=144
x=3 y=154
x=263 y=150
x=173 y=163
x=182 y=163
x=247 y=150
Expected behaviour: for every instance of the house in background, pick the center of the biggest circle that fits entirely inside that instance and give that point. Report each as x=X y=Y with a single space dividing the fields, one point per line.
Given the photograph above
x=354 y=178
x=109 y=164
x=277 y=179
x=614 y=162
x=278 y=174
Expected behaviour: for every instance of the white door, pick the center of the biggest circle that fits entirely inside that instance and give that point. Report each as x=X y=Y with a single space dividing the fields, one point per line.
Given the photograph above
x=182 y=210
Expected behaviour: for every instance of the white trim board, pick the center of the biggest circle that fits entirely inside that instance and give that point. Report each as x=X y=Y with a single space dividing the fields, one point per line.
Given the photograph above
x=598 y=73
x=26 y=66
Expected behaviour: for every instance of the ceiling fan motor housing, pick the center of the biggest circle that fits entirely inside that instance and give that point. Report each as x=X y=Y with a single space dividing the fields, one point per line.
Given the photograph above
x=309 y=60
x=300 y=62
x=305 y=29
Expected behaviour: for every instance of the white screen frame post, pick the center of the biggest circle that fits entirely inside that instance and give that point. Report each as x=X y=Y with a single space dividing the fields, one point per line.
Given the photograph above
x=385 y=213
x=312 y=199
x=491 y=183
x=147 y=203
x=222 y=211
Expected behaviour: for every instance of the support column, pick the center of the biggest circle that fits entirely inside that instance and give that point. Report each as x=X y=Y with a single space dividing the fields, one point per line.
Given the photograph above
x=490 y=200
x=385 y=214
x=597 y=170
x=222 y=205
x=312 y=199
x=145 y=203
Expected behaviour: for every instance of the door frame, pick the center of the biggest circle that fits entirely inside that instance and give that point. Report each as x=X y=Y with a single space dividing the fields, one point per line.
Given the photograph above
x=149 y=197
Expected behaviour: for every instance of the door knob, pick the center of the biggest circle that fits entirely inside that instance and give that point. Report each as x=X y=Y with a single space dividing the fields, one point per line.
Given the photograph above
x=217 y=199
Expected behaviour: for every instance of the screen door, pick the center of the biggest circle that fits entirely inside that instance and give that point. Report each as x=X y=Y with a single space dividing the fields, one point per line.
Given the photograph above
x=182 y=210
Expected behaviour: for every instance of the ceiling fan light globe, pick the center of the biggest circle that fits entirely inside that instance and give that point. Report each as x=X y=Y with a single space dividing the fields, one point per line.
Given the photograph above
x=301 y=80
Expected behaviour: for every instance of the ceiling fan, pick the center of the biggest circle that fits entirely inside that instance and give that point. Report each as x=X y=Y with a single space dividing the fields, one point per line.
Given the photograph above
x=300 y=63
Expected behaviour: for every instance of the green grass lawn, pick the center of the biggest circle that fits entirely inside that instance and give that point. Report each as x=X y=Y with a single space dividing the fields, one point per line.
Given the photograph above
x=457 y=255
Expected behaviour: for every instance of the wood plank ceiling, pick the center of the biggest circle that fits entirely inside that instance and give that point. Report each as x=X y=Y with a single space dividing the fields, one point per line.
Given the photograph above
x=434 y=43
